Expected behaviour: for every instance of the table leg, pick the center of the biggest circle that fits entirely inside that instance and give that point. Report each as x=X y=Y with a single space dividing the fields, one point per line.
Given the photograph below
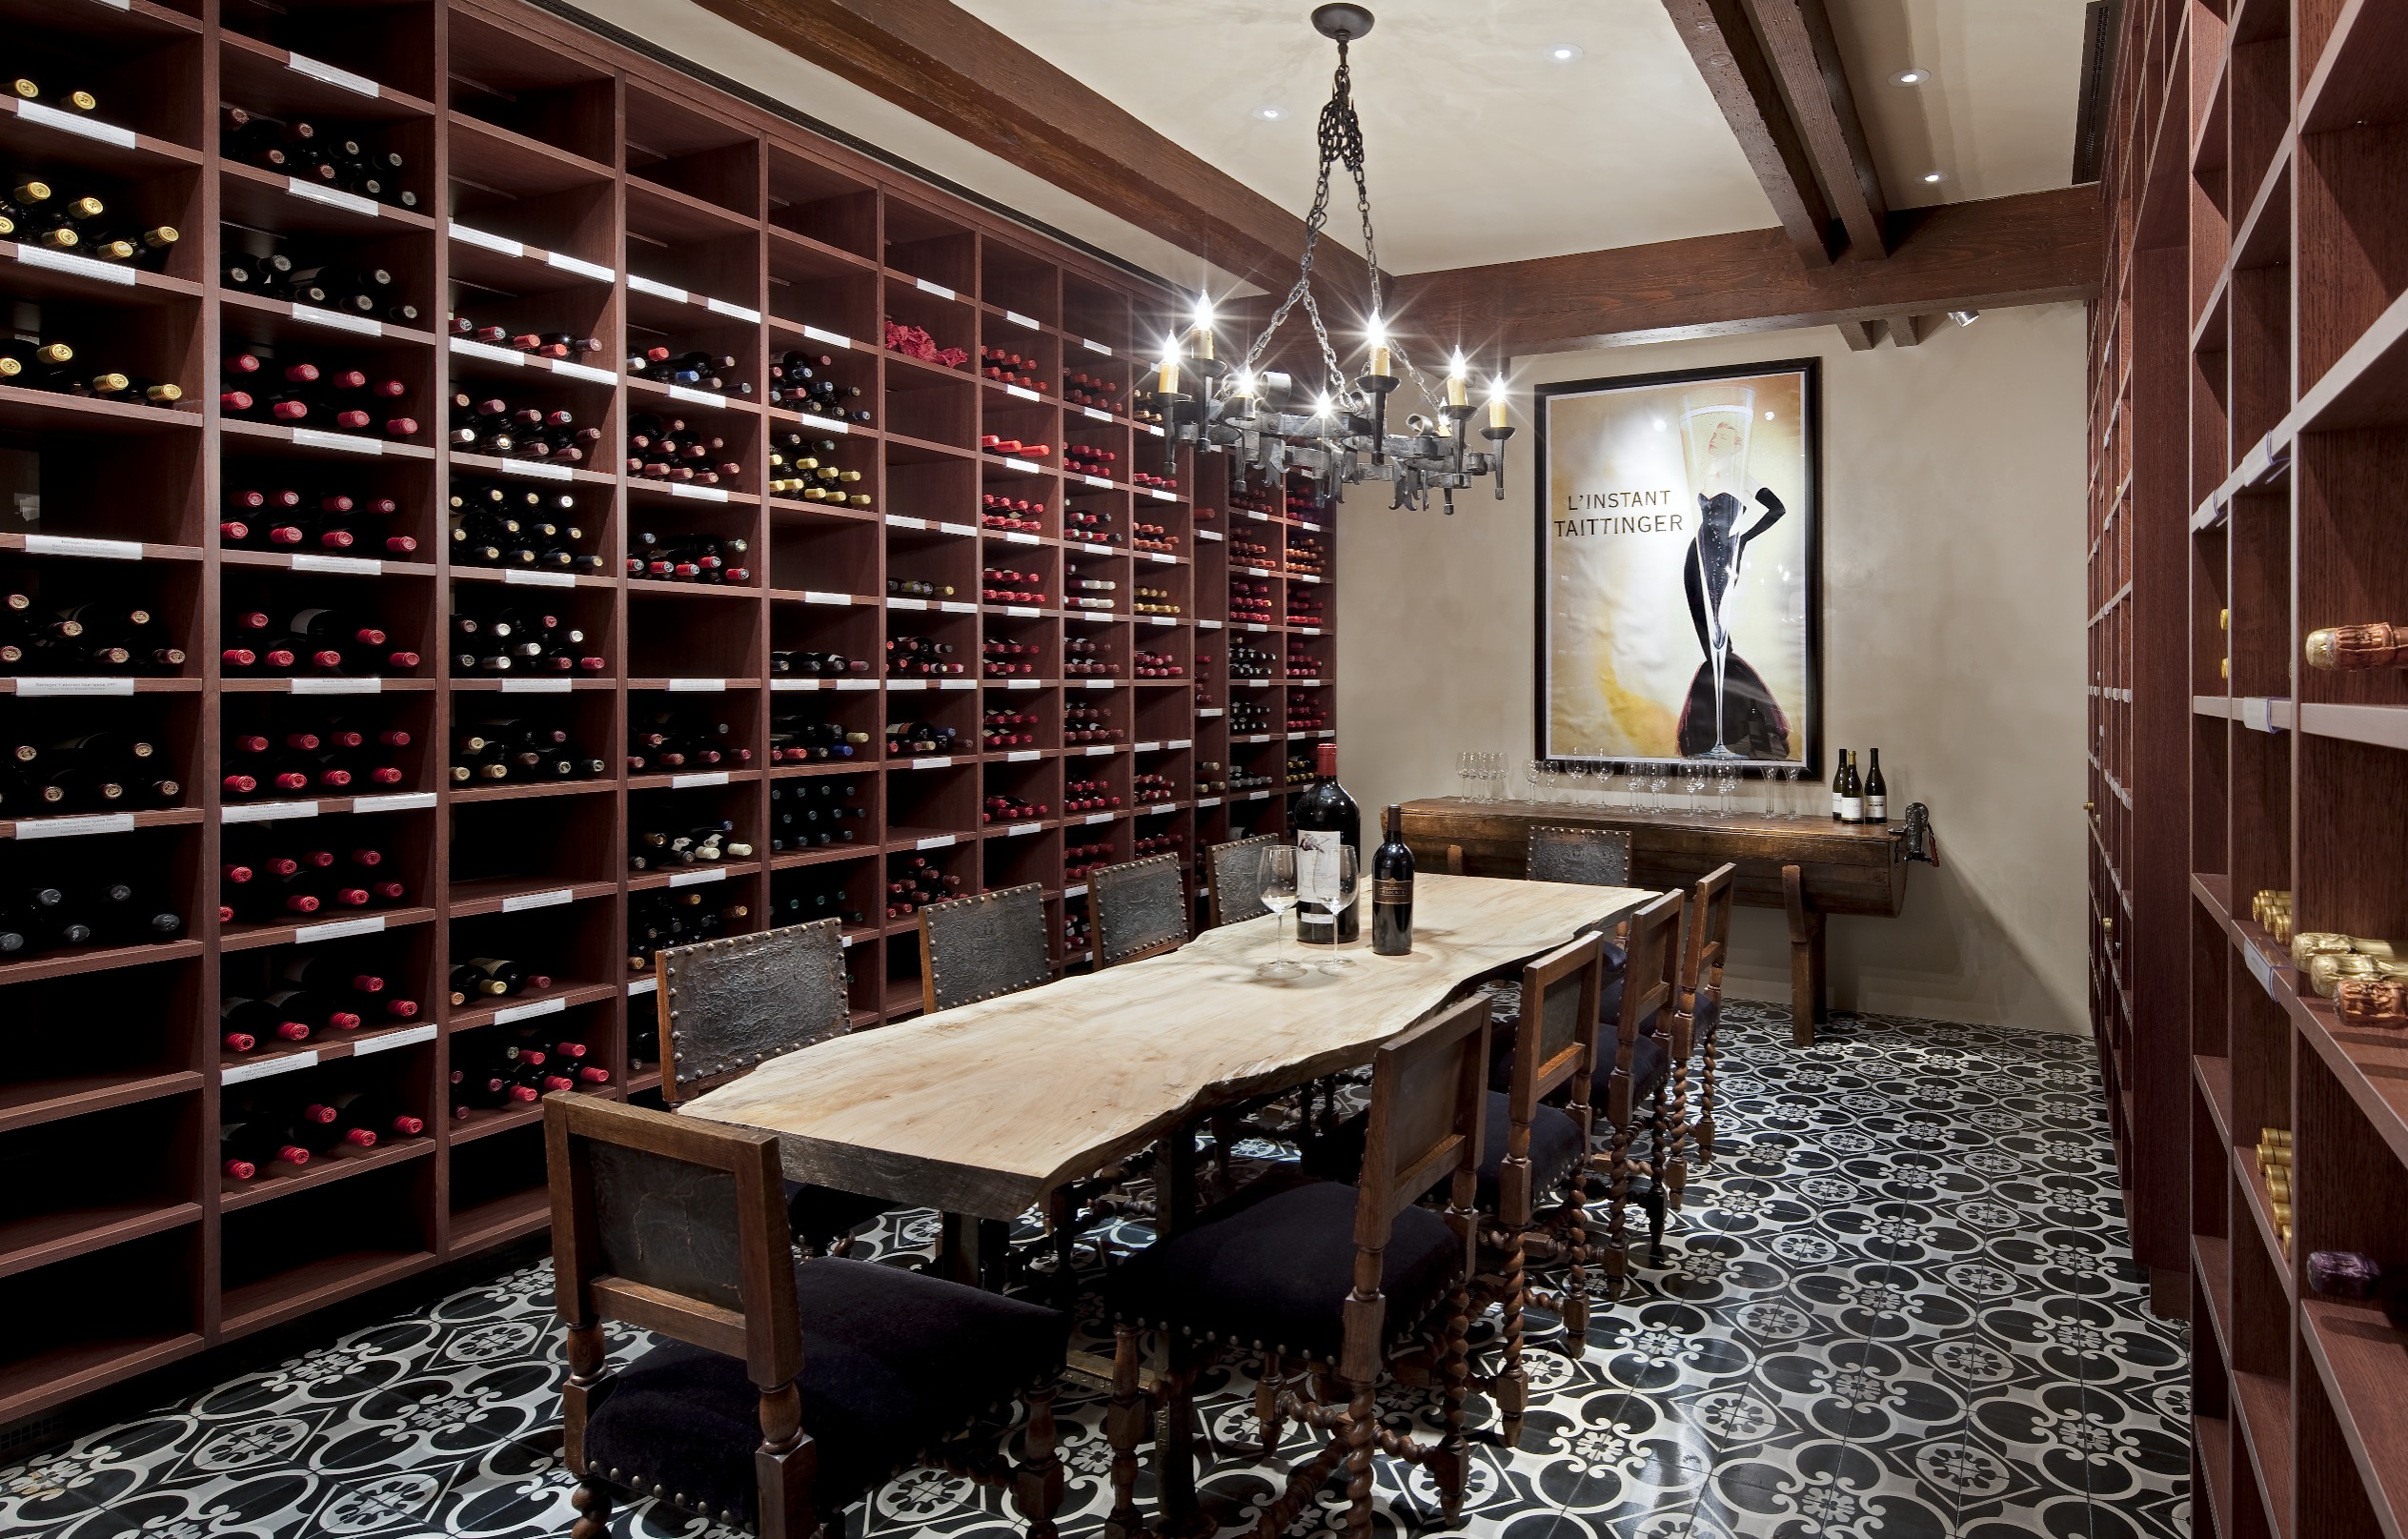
x=1807 y=1009
x=1182 y=1517
x=975 y=1251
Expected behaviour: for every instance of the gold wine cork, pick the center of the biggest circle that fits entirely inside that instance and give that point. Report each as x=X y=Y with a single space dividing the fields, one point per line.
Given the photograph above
x=2356 y=646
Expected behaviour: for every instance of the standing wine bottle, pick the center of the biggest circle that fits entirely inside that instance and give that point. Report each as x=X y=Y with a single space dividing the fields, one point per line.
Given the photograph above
x=1876 y=793
x=1851 y=792
x=1392 y=890
x=1839 y=781
x=1327 y=820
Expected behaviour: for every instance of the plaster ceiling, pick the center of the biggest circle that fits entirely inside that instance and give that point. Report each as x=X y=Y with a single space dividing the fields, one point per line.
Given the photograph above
x=1481 y=147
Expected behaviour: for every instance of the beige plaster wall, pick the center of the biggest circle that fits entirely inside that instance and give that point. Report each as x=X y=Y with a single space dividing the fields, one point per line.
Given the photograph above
x=1953 y=619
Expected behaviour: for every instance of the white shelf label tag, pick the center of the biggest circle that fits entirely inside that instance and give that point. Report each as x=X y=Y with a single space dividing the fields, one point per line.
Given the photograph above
x=1098 y=818
x=84 y=266
x=1019 y=683
x=1100 y=483
x=386 y=1041
x=1146 y=748
x=1150 y=428
x=348 y=202
x=336 y=686
x=832 y=339
x=1258 y=796
x=281 y=1063
x=336 y=320
x=350 y=566
x=534 y=470
x=1207 y=625
x=1020 y=610
x=700 y=778
x=856 y=683
x=700 y=397
x=488 y=351
x=1094 y=347
x=1203 y=802
x=744 y=313
x=1024 y=466
x=1306 y=577
x=470 y=235
x=1100 y=684
x=1017 y=829
x=906 y=603
x=954 y=606
x=1097 y=549
x=98 y=822
x=703 y=494
x=642 y=985
x=1099 y=416
x=1210 y=710
x=525 y=900
x=1258 y=518
x=582 y=268
x=1210 y=534
x=907 y=683
x=1019 y=392
x=528 y=1012
x=534 y=686
x=76 y=123
x=695 y=878
x=931 y=763
x=697 y=686
x=584 y=371
x=351 y=443
x=1181 y=743
x=784 y=686
x=1019 y=320
x=1159 y=558
x=2258 y=967
x=898 y=520
x=398 y=801
x=937 y=289
x=1095 y=750
x=1161 y=807
x=333 y=76
x=938 y=841
x=644 y=285
x=945 y=528
x=1021 y=756
x=339 y=930
x=107 y=550
x=813 y=596
x=1080 y=890
x=519 y=578
x=1161 y=495
x=260 y=812
x=1013 y=536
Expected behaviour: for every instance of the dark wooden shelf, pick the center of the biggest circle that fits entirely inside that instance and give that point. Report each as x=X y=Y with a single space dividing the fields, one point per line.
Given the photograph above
x=550 y=235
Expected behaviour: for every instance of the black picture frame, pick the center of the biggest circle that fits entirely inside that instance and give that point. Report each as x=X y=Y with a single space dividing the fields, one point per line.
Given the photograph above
x=1811 y=369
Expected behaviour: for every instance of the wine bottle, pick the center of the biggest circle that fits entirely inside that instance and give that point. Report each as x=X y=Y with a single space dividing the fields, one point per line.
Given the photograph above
x=1839 y=780
x=1392 y=890
x=1325 y=820
x=245 y=1148
x=1851 y=792
x=1876 y=793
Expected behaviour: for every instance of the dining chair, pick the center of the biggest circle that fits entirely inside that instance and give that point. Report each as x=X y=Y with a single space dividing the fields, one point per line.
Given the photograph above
x=786 y=1390
x=728 y=1005
x=1641 y=1067
x=1335 y=1276
x=1593 y=857
x=1139 y=908
x=1236 y=892
x=1698 y=1013
x=982 y=947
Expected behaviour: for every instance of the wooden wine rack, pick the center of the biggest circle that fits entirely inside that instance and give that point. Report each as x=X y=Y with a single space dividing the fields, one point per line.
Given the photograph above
x=566 y=183
x=2249 y=423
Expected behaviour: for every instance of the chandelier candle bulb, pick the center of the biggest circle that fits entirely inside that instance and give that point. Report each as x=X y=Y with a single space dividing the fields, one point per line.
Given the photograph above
x=1166 y=380
x=1497 y=408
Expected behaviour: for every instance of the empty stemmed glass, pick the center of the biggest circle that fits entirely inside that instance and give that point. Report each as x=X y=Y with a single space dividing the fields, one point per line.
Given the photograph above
x=1693 y=785
x=1327 y=883
x=1659 y=781
x=1727 y=791
x=1276 y=881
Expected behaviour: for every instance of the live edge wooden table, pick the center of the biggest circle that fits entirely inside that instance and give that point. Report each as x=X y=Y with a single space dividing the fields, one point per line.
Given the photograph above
x=984 y=1109
x=1807 y=867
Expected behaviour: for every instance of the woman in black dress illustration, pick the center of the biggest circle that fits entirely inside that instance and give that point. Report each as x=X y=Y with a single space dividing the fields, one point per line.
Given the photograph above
x=1729 y=713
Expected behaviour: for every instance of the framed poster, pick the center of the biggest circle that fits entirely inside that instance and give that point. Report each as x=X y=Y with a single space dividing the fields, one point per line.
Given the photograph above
x=1680 y=567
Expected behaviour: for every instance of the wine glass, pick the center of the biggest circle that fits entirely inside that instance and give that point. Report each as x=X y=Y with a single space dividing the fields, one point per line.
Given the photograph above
x=1534 y=775
x=1275 y=879
x=1331 y=888
x=1795 y=774
x=1693 y=785
x=1659 y=782
x=1729 y=791
x=1463 y=774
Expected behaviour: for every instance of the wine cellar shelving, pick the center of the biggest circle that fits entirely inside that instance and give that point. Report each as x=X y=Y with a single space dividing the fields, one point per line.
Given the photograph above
x=563 y=185
x=2248 y=352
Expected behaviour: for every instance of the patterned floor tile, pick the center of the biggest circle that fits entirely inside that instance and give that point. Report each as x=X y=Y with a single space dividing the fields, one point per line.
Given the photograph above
x=1898 y=1303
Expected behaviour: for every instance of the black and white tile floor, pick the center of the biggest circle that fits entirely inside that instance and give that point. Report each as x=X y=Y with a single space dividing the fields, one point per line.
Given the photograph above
x=1900 y=1305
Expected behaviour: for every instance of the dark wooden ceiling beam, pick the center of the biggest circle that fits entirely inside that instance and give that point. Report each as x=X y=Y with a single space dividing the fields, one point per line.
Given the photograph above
x=1862 y=336
x=2031 y=248
x=1798 y=43
x=1749 y=91
x=941 y=63
x=1907 y=330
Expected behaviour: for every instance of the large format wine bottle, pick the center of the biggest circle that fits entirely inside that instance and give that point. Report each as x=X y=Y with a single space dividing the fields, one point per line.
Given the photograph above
x=1876 y=793
x=1392 y=890
x=1326 y=818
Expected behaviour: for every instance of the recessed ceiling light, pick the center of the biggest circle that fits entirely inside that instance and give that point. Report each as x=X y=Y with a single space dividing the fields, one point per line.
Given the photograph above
x=1563 y=52
x=1270 y=114
x=1930 y=177
x=1910 y=77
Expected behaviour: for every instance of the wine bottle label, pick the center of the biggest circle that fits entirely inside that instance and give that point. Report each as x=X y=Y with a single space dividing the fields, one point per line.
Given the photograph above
x=1392 y=890
x=1316 y=866
x=1852 y=809
x=1877 y=809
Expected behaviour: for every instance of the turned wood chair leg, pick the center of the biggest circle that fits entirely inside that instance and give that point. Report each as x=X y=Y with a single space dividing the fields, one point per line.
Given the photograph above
x=1363 y=1421
x=1617 y=1194
x=1037 y=1480
x=1706 y=1103
x=1451 y=1463
x=1676 y=1165
x=1576 y=1276
x=1268 y=1419
x=1125 y=1422
x=593 y=1501
x=1512 y=1387
x=1659 y=1168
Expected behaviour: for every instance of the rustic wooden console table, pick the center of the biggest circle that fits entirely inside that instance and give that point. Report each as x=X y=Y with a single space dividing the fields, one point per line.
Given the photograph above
x=1808 y=867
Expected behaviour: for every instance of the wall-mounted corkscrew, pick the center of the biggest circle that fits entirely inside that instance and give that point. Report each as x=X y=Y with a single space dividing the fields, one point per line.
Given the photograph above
x=1920 y=842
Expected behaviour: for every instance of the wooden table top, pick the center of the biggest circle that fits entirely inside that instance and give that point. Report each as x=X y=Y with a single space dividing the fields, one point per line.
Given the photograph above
x=984 y=1109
